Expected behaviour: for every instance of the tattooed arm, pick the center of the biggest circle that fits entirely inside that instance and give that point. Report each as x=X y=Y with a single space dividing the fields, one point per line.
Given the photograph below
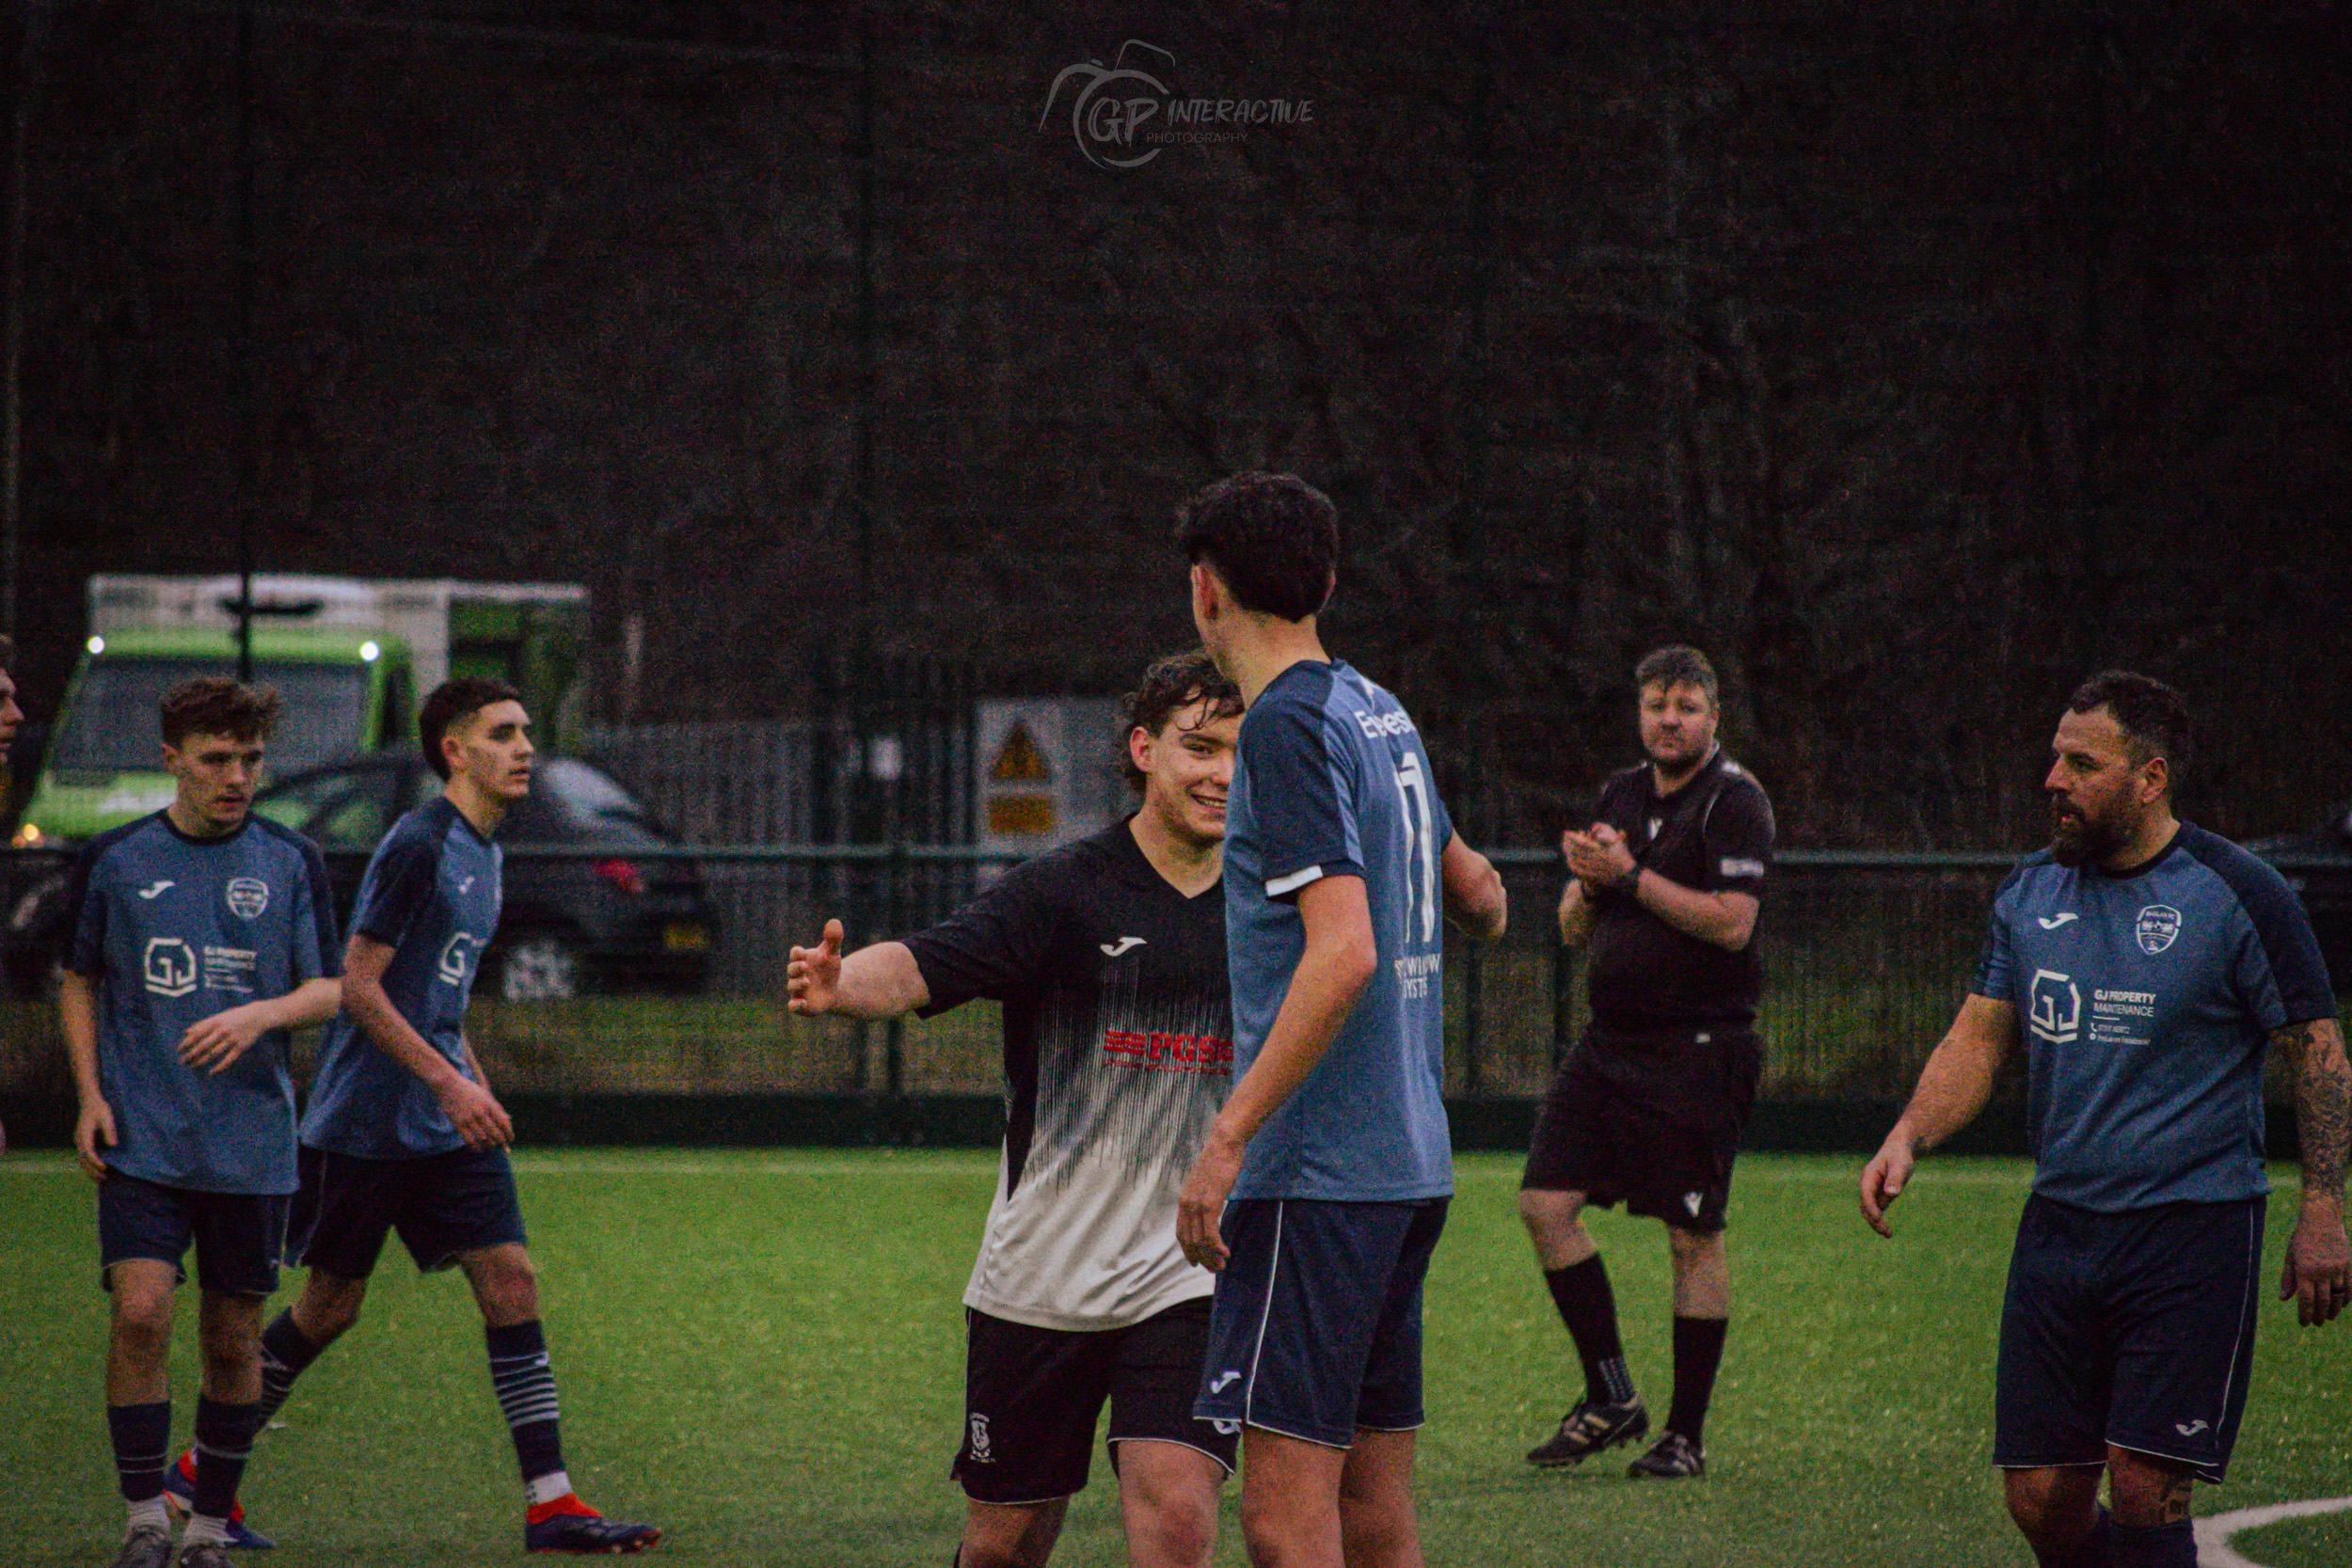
x=2318 y=1274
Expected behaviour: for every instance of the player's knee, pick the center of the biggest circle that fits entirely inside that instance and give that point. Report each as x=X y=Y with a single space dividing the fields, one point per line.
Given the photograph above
x=508 y=1286
x=1692 y=1247
x=141 y=1325
x=329 y=1306
x=1553 y=1215
x=2050 y=1506
x=231 y=1350
x=1179 y=1531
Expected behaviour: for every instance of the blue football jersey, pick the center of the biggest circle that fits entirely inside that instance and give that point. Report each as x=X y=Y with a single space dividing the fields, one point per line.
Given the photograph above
x=1331 y=781
x=2146 y=1001
x=432 y=894
x=171 y=930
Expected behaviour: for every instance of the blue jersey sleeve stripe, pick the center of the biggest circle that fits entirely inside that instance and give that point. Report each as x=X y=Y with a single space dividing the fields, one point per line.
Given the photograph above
x=2290 y=949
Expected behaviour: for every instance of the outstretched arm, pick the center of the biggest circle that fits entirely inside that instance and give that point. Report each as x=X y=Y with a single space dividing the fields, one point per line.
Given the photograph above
x=876 y=982
x=2318 y=1274
x=1953 y=1087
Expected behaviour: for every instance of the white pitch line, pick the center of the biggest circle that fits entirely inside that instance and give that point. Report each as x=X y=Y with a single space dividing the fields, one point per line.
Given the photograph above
x=2214 y=1531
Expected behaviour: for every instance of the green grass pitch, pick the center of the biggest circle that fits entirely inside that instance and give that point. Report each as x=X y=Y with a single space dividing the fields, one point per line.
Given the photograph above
x=762 y=1354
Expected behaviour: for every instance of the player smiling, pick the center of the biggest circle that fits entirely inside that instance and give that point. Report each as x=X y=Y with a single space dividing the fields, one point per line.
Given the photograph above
x=1109 y=957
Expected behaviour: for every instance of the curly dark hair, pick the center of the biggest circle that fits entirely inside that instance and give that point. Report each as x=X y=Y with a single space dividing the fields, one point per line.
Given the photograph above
x=2153 y=717
x=1273 y=538
x=449 y=702
x=1171 y=684
x=214 y=705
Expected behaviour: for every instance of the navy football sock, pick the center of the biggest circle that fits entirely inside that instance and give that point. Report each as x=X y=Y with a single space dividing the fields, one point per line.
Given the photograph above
x=1698 y=1352
x=142 y=1440
x=2172 y=1545
x=2089 y=1552
x=526 y=1391
x=286 y=1351
x=1589 y=1309
x=224 y=1441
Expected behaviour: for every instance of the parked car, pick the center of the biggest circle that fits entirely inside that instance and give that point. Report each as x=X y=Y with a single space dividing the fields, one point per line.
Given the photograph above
x=2318 y=866
x=607 y=918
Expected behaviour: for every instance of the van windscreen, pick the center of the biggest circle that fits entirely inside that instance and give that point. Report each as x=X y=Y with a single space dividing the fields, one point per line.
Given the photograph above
x=112 y=727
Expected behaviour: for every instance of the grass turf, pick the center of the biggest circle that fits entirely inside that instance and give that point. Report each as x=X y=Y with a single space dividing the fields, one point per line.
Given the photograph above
x=763 y=1353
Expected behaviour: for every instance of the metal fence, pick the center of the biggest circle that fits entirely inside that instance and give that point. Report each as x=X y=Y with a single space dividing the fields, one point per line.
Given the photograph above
x=1866 y=958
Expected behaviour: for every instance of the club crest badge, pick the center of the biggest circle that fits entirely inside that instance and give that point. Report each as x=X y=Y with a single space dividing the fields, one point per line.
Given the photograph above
x=2159 y=927
x=247 y=896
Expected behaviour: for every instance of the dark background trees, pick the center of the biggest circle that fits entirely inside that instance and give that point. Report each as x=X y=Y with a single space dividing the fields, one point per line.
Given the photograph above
x=1915 y=359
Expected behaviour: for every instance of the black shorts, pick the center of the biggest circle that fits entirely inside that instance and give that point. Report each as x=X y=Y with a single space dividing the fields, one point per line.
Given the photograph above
x=443 y=1206
x=2134 y=1328
x=1317 y=1332
x=1590 y=1137
x=238 y=1236
x=1031 y=1397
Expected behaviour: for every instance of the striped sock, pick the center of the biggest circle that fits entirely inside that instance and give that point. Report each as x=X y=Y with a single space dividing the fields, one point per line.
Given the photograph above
x=142 y=1442
x=526 y=1391
x=286 y=1351
x=224 y=1442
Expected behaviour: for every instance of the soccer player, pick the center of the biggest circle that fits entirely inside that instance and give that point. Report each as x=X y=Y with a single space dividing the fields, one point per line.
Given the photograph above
x=1664 y=889
x=1333 y=1146
x=200 y=935
x=1109 y=957
x=402 y=1134
x=2147 y=964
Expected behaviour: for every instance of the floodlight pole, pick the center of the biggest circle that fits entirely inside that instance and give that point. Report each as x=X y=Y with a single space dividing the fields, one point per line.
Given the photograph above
x=243 y=339
x=12 y=422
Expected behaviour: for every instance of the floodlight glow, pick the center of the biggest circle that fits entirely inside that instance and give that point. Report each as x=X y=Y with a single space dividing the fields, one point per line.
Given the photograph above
x=97 y=645
x=369 y=651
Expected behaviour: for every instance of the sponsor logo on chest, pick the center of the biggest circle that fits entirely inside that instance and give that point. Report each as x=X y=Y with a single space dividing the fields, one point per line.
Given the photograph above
x=247 y=897
x=1151 y=1051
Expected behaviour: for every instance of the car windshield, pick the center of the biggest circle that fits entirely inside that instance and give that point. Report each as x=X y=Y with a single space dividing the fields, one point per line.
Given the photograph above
x=600 y=810
x=112 y=726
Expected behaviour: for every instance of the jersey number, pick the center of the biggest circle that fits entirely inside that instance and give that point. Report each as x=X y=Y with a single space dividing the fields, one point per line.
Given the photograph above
x=1420 y=849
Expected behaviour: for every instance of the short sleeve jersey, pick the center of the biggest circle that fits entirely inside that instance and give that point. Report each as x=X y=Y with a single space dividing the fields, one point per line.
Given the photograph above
x=2146 y=999
x=1331 y=780
x=171 y=930
x=1118 y=1054
x=431 y=893
x=1714 y=834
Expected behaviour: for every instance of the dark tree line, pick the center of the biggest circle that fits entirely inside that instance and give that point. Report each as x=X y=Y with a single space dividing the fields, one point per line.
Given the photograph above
x=1915 y=359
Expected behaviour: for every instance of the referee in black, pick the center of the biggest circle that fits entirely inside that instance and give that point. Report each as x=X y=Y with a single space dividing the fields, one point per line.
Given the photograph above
x=1648 y=1109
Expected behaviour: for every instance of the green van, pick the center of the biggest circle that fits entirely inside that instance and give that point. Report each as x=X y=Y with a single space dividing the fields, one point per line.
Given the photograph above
x=345 y=690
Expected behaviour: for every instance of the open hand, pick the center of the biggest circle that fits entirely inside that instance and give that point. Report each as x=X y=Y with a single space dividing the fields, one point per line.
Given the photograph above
x=812 y=981
x=212 y=1044
x=1202 y=1205
x=2318 y=1274
x=477 y=1115
x=96 y=1124
x=1883 y=1179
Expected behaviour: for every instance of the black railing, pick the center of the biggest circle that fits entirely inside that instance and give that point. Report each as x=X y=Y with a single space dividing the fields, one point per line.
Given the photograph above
x=680 y=989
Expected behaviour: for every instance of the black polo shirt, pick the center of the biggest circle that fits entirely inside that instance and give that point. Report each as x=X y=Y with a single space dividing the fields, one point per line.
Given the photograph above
x=1715 y=834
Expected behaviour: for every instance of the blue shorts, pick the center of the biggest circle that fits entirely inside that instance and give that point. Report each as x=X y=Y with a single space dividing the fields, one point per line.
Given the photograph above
x=443 y=1206
x=2135 y=1329
x=1317 y=1328
x=238 y=1236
